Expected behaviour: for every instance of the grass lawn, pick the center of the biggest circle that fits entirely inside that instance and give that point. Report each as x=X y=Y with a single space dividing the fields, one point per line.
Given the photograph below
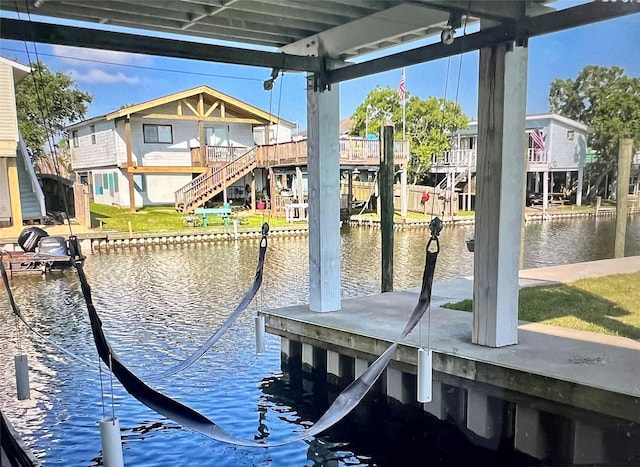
x=165 y=218
x=609 y=305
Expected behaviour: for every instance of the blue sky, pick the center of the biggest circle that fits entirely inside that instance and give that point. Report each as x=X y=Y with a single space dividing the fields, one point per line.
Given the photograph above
x=115 y=79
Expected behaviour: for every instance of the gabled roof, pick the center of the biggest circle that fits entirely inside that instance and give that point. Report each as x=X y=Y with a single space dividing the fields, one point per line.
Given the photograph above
x=19 y=70
x=232 y=105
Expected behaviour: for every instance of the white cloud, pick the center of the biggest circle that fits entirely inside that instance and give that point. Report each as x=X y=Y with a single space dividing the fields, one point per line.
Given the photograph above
x=78 y=55
x=98 y=76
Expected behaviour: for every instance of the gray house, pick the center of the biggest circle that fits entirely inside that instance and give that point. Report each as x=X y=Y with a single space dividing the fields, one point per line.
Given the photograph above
x=556 y=155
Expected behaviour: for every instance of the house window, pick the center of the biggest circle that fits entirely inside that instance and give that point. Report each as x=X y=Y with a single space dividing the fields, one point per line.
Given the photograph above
x=157 y=133
x=74 y=138
x=93 y=134
x=570 y=135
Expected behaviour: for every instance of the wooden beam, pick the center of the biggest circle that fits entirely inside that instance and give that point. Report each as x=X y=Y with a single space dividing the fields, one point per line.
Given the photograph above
x=164 y=169
x=180 y=107
x=386 y=206
x=203 y=143
x=213 y=107
x=200 y=105
x=529 y=27
x=190 y=107
x=127 y=140
x=222 y=110
x=22 y=30
x=252 y=121
x=14 y=191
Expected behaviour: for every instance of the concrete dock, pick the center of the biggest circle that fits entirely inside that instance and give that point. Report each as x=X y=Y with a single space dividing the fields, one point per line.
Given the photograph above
x=557 y=384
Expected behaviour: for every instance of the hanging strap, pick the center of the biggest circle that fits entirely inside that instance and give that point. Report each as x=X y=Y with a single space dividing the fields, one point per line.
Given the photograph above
x=244 y=303
x=18 y=313
x=189 y=418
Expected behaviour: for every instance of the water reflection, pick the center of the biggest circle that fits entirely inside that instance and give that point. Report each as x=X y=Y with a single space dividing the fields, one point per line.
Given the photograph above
x=158 y=303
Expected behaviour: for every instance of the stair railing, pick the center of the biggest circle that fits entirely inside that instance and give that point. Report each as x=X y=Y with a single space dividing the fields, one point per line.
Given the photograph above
x=215 y=178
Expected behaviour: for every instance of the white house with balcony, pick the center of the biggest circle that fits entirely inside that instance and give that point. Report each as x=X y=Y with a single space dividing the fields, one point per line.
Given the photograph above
x=147 y=153
x=556 y=155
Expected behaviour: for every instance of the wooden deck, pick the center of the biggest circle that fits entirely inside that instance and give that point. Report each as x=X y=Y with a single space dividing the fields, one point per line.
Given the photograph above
x=354 y=151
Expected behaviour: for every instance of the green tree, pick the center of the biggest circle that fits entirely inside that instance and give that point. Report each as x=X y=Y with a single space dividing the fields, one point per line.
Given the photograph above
x=47 y=102
x=429 y=122
x=608 y=101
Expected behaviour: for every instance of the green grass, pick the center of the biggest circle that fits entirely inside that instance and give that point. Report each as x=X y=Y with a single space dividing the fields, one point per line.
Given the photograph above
x=608 y=305
x=165 y=218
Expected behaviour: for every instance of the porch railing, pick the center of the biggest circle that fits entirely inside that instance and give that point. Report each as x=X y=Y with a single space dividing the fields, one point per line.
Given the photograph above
x=455 y=158
x=537 y=156
x=216 y=154
x=353 y=150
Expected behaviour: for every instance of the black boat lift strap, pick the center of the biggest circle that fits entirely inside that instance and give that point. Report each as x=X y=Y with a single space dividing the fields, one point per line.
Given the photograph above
x=18 y=313
x=190 y=418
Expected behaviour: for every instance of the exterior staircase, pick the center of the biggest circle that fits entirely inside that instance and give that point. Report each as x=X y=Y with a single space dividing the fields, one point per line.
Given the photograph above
x=207 y=185
x=31 y=195
x=459 y=178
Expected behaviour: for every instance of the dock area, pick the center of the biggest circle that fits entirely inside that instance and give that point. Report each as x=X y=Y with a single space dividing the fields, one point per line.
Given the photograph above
x=559 y=394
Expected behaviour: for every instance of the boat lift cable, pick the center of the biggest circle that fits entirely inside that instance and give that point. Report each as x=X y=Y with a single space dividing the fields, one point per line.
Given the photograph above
x=244 y=303
x=346 y=401
x=20 y=316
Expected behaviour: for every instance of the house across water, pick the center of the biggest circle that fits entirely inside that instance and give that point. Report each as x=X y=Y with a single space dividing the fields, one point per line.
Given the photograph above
x=152 y=154
x=556 y=156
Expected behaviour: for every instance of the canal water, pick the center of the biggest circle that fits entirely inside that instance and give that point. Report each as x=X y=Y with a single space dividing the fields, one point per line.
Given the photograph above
x=158 y=303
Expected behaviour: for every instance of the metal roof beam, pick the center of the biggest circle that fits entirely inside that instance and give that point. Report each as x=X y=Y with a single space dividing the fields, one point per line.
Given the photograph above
x=122 y=42
x=529 y=27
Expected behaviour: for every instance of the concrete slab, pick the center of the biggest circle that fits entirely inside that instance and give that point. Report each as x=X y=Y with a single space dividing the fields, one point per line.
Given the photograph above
x=576 y=360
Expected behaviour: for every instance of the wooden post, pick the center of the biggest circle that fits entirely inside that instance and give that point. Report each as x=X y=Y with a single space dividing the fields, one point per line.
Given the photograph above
x=349 y=190
x=300 y=185
x=14 y=191
x=127 y=141
x=203 y=143
x=622 y=197
x=253 y=191
x=272 y=190
x=500 y=181
x=224 y=185
x=386 y=206
x=404 y=192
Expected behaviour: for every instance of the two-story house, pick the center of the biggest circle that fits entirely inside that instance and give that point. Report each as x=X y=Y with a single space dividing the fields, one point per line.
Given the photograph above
x=555 y=154
x=21 y=197
x=155 y=152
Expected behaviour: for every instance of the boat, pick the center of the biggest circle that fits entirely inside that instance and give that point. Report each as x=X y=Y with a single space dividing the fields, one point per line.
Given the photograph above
x=40 y=253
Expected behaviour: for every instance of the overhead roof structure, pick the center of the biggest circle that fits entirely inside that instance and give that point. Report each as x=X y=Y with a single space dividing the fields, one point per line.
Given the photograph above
x=296 y=35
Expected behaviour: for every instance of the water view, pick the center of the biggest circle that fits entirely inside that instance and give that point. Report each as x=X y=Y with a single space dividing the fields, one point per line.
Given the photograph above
x=159 y=303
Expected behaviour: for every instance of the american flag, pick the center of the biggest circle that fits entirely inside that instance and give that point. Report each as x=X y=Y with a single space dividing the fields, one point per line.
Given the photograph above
x=538 y=139
x=401 y=89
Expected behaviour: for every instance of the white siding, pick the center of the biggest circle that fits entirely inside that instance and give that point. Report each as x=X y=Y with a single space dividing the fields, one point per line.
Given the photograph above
x=109 y=187
x=9 y=120
x=277 y=134
x=566 y=152
x=177 y=153
x=160 y=189
x=89 y=155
